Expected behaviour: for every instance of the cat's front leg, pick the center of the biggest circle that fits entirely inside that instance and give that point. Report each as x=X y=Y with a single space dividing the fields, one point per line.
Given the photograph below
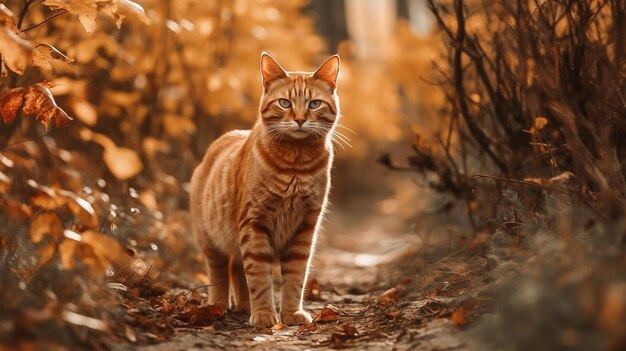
x=258 y=256
x=294 y=264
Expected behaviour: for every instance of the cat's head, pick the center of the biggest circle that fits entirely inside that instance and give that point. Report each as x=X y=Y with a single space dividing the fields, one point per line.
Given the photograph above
x=299 y=105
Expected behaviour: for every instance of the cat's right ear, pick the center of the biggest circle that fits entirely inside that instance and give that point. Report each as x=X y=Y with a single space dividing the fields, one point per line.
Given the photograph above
x=270 y=70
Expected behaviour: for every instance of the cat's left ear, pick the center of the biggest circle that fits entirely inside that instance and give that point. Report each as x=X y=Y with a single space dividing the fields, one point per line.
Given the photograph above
x=329 y=71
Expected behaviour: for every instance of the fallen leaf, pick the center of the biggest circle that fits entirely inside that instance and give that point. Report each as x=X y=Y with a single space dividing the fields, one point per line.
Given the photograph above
x=279 y=326
x=347 y=332
x=202 y=315
x=307 y=328
x=389 y=297
x=329 y=313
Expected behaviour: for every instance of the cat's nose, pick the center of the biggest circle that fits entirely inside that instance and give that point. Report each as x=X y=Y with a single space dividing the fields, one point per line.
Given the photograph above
x=300 y=121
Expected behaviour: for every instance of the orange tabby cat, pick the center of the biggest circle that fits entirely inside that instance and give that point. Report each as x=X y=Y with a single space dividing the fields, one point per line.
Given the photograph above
x=259 y=196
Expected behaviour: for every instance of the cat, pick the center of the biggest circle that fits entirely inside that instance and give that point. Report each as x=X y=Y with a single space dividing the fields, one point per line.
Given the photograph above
x=258 y=196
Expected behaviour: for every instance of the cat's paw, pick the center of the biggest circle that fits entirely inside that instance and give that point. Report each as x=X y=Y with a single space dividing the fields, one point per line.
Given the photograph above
x=296 y=318
x=263 y=318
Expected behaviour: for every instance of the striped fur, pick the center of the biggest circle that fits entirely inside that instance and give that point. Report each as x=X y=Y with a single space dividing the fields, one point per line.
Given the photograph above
x=258 y=196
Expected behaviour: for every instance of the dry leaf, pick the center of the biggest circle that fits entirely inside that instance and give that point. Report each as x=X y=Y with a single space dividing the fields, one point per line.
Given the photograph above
x=45 y=224
x=307 y=328
x=86 y=10
x=389 y=297
x=348 y=332
x=10 y=103
x=203 y=315
x=16 y=51
x=44 y=53
x=38 y=101
x=124 y=163
x=126 y=8
x=179 y=127
x=329 y=313
x=279 y=326
x=105 y=249
x=7 y=18
x=85 y=111
x=80 y=208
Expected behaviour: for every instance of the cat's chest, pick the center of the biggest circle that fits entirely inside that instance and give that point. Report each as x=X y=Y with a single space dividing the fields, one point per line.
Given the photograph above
x=289 y=214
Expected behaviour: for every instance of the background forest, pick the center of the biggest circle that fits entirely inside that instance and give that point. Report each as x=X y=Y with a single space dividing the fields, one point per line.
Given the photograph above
x=487 y=136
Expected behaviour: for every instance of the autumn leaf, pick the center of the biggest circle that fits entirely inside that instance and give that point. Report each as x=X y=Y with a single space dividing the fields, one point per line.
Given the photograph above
x=84 y=212
x=123 y=8
x=106 y=250
x=85 y=111
x=44 y=54
x=10 y=103
x=389 y=297
x=124 y=163
x=203 y=315
x=7 y=18
x=16 y=51
x=329 y=313
x=86 y=10
x=45 y=224
x=38 y=101
x=278 y=326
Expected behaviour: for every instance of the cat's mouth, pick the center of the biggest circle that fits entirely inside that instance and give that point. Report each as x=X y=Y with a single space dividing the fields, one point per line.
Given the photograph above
x=299 y=133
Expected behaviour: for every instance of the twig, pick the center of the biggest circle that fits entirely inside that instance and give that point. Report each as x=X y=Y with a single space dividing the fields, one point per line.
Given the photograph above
x=44 y=21
x=525 y=182
x=29 y=139
x=23 y=11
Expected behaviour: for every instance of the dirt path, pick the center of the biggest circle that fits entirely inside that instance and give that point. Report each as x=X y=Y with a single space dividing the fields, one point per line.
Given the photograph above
x=353 y=270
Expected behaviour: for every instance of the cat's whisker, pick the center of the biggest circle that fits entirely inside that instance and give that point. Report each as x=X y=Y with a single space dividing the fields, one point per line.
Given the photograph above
x=346 y=128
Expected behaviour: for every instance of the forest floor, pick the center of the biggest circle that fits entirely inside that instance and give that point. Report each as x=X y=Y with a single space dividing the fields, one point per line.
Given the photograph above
x=372 y=291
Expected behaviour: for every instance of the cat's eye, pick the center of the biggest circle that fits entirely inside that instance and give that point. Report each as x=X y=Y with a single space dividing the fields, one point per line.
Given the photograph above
x=315 y=104
x=284 y=103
